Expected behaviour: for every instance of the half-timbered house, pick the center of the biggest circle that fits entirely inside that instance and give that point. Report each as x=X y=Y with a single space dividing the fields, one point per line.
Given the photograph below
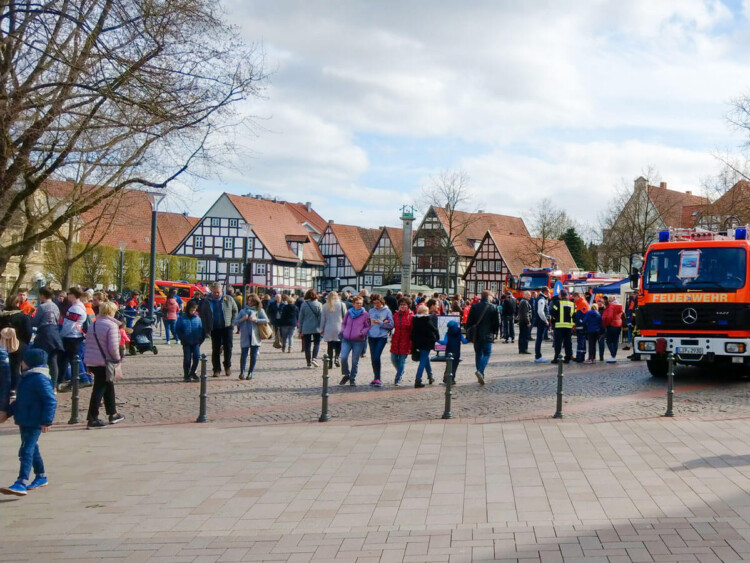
x=500 y=256
x=346 y=249
x=277 y=247
x=446 y=241
x=383 y=267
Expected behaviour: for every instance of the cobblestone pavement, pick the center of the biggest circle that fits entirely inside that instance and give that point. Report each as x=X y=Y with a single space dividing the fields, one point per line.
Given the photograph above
x=528 y=491
x=285 y=391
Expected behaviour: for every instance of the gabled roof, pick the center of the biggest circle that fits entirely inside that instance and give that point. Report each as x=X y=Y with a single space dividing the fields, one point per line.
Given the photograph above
x=477 y=224
x=357 y=243
x=397 y=236
x=304 y=215
x=670 y=204
x=521 y=252
x=171 y=228
x=735 y=202
x=272 y=222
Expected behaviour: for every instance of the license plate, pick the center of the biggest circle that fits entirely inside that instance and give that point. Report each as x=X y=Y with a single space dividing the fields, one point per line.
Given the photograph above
x=695 y=350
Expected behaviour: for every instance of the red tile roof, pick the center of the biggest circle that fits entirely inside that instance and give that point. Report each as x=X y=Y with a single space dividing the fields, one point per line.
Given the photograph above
x=357 y=243
x=521 y=252
x=670 y=204
x=272 y=222
x=475 y=225
x=304 y=216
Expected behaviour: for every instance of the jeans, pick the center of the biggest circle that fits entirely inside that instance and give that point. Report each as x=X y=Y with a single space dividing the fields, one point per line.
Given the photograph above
x=602 y=341
x=169 y=327
x=253 y=358
x=593 y=339
x=28 y=453
x=541 y=332
x=355 y=347
x=276 y=336
x=399 y=362
x=190 y=357
x=72 y=348
x=334 y=349
x=311 y=352
x=377 y=345
x=613 y=339
x=287 y=335
x=102 y=388
x=424 y=364
x=221 y=337
x=482 y=353
x=509 y=329
x=53 y=362
x=524 y=332
x=564 y=338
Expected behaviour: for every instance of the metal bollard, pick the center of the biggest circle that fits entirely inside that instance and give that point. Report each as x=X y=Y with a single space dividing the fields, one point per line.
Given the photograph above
x=560 y=376
x=670 y=384
x=448 y=385
x=204 y=392
x=324 y=409
x=74 y=390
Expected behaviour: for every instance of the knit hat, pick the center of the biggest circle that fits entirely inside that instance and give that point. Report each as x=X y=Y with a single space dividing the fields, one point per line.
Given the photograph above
x=35 y=357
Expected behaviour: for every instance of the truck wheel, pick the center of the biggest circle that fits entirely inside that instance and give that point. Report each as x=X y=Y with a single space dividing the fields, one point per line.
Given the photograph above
x=657 y=368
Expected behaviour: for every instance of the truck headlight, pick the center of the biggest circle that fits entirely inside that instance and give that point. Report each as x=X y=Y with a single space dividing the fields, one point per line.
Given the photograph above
x=734 y=348
x=647 y=346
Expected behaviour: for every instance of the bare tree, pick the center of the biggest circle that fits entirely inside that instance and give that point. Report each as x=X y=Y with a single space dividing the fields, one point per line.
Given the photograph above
x=449 y=197
x=548 y=223
x=113 y=94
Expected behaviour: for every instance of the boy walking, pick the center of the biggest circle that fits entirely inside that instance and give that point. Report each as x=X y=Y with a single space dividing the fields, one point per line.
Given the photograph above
x=34 y=411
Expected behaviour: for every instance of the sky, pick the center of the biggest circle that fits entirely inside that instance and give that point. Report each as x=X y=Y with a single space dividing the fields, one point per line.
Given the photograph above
x=368 y=101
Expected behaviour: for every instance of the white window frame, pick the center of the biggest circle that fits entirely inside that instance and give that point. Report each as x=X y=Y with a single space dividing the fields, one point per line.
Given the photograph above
x=234 y=267
x=234 y=222
x=216 y=221
x=228 y=243
x=260 y=269
x=198 y=241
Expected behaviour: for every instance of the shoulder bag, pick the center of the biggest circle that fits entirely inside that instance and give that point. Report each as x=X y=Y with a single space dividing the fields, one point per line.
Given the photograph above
x=113 y=369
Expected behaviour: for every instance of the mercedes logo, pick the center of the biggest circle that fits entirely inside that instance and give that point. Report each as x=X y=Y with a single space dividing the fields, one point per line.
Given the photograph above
x=689 y=316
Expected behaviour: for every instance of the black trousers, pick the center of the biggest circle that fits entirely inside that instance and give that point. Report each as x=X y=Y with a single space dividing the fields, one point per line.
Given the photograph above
x=221 y=337
x=102 y=389
x=563 y=337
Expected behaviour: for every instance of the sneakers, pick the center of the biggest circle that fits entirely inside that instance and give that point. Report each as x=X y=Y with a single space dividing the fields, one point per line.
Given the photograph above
x=376 y=383
x=430 y=379
x=249 y=376
x=589 y=362
x=95 y=424
x=612 y=360
x=115 y=418
x=17 y=488
x=397 y=383
x=194 y=377
x=352 y=383
x=217 y=373
x=38 y=482
x=344 y=380
x=337 y=363
x=418 y=384
x=541 y=361
x=555 y=361
x=309 y=366
x=242 y=375
x=314 y=362
x=480 y=377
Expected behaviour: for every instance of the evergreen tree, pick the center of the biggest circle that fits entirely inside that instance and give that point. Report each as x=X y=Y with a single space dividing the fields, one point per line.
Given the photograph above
x=577 y=249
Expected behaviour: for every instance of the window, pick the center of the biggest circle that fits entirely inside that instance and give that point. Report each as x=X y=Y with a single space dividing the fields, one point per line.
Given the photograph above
x=228 y=243
x=286 y=271
x=439 y=262
x=198 y=241
x=420 y=242
x=215 y=221
x=260 y=269
x=250 y=244
x=368 y=280
x=233 y=222
x=234 y=267
x=340 y=262
x=423 y=262
x=480 y=287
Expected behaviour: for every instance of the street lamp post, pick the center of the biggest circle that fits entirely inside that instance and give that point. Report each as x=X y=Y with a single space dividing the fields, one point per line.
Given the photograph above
x=122 y=244
x=155 y=198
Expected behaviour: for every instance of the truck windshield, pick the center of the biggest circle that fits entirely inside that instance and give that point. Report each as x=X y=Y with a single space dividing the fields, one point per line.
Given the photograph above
x=533 y=281
x=707 y=269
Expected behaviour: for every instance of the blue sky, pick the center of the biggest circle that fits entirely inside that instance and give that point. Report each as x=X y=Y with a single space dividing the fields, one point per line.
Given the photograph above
x=568 y=100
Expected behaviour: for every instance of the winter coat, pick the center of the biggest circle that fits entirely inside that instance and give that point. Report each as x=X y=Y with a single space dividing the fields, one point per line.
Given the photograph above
x=453 y=340
x=189 y=330
x=289 y=315
x=509 y=307
x=382 y=329
x=272 y=309
x=612 y=315
x=73 y=322
x=402 y=324
x=524 y=312
x=490 y=324
x=20 y=321
x=331 y=321
x=592 y=322
x=424 y=332
x=4 y=380
x=249 y=334
x=35 y=402
x=228 y=307
x=107 y=331
x=47 y=323
x=310 y=313
x=353 y=329
x=171 y=308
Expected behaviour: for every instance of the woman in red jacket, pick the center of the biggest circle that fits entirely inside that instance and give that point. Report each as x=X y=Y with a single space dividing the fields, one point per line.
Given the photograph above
x=612 y=322
x=401 y=339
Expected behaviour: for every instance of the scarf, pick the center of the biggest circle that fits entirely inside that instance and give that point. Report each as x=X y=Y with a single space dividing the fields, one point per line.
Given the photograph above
x=354 y=313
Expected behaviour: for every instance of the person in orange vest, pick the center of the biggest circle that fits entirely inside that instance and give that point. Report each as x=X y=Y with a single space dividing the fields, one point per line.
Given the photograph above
x=24 y=304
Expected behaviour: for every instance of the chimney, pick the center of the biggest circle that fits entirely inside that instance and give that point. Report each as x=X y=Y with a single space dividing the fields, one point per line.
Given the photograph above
x=663 y=185
x=480 y=210
x=185 y=214
x=308 y=206
x=689 y=192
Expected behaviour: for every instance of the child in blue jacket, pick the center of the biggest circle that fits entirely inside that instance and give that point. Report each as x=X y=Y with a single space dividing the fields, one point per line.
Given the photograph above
x=34 y=411
x=189 y=329
x=452 y=342
x=592 y=323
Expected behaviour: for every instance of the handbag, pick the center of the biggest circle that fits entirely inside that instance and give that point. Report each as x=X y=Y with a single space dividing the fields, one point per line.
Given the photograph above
x=471 y=332
x=111 y=368
x=265 y=331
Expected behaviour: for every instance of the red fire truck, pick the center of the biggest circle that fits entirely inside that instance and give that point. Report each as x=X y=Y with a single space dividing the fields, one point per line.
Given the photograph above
x=693 y=299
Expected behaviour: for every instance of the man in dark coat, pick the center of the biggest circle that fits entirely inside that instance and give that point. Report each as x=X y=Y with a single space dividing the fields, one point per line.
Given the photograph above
x=484 y=319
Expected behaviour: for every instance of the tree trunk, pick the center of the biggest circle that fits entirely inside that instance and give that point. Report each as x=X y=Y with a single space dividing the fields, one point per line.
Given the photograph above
x=22 y=269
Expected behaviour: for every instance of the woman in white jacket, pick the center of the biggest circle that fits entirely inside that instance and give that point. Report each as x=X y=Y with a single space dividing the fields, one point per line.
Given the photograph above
x=330 y=325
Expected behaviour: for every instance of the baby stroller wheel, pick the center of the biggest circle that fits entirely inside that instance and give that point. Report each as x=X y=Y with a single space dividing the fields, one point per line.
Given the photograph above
x=155 y=350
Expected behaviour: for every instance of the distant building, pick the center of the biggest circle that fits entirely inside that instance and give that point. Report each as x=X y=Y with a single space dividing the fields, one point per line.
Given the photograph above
x=731 y=210
x=383 y=267
x=346 y=250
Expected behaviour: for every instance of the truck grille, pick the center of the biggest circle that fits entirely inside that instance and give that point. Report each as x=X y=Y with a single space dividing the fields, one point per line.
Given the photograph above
x=694 y=316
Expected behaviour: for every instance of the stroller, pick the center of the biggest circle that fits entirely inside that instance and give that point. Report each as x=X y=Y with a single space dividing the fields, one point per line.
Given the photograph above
x=141 y=339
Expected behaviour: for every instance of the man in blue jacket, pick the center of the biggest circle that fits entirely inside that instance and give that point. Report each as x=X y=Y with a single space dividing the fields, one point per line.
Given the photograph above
x=34 y=411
